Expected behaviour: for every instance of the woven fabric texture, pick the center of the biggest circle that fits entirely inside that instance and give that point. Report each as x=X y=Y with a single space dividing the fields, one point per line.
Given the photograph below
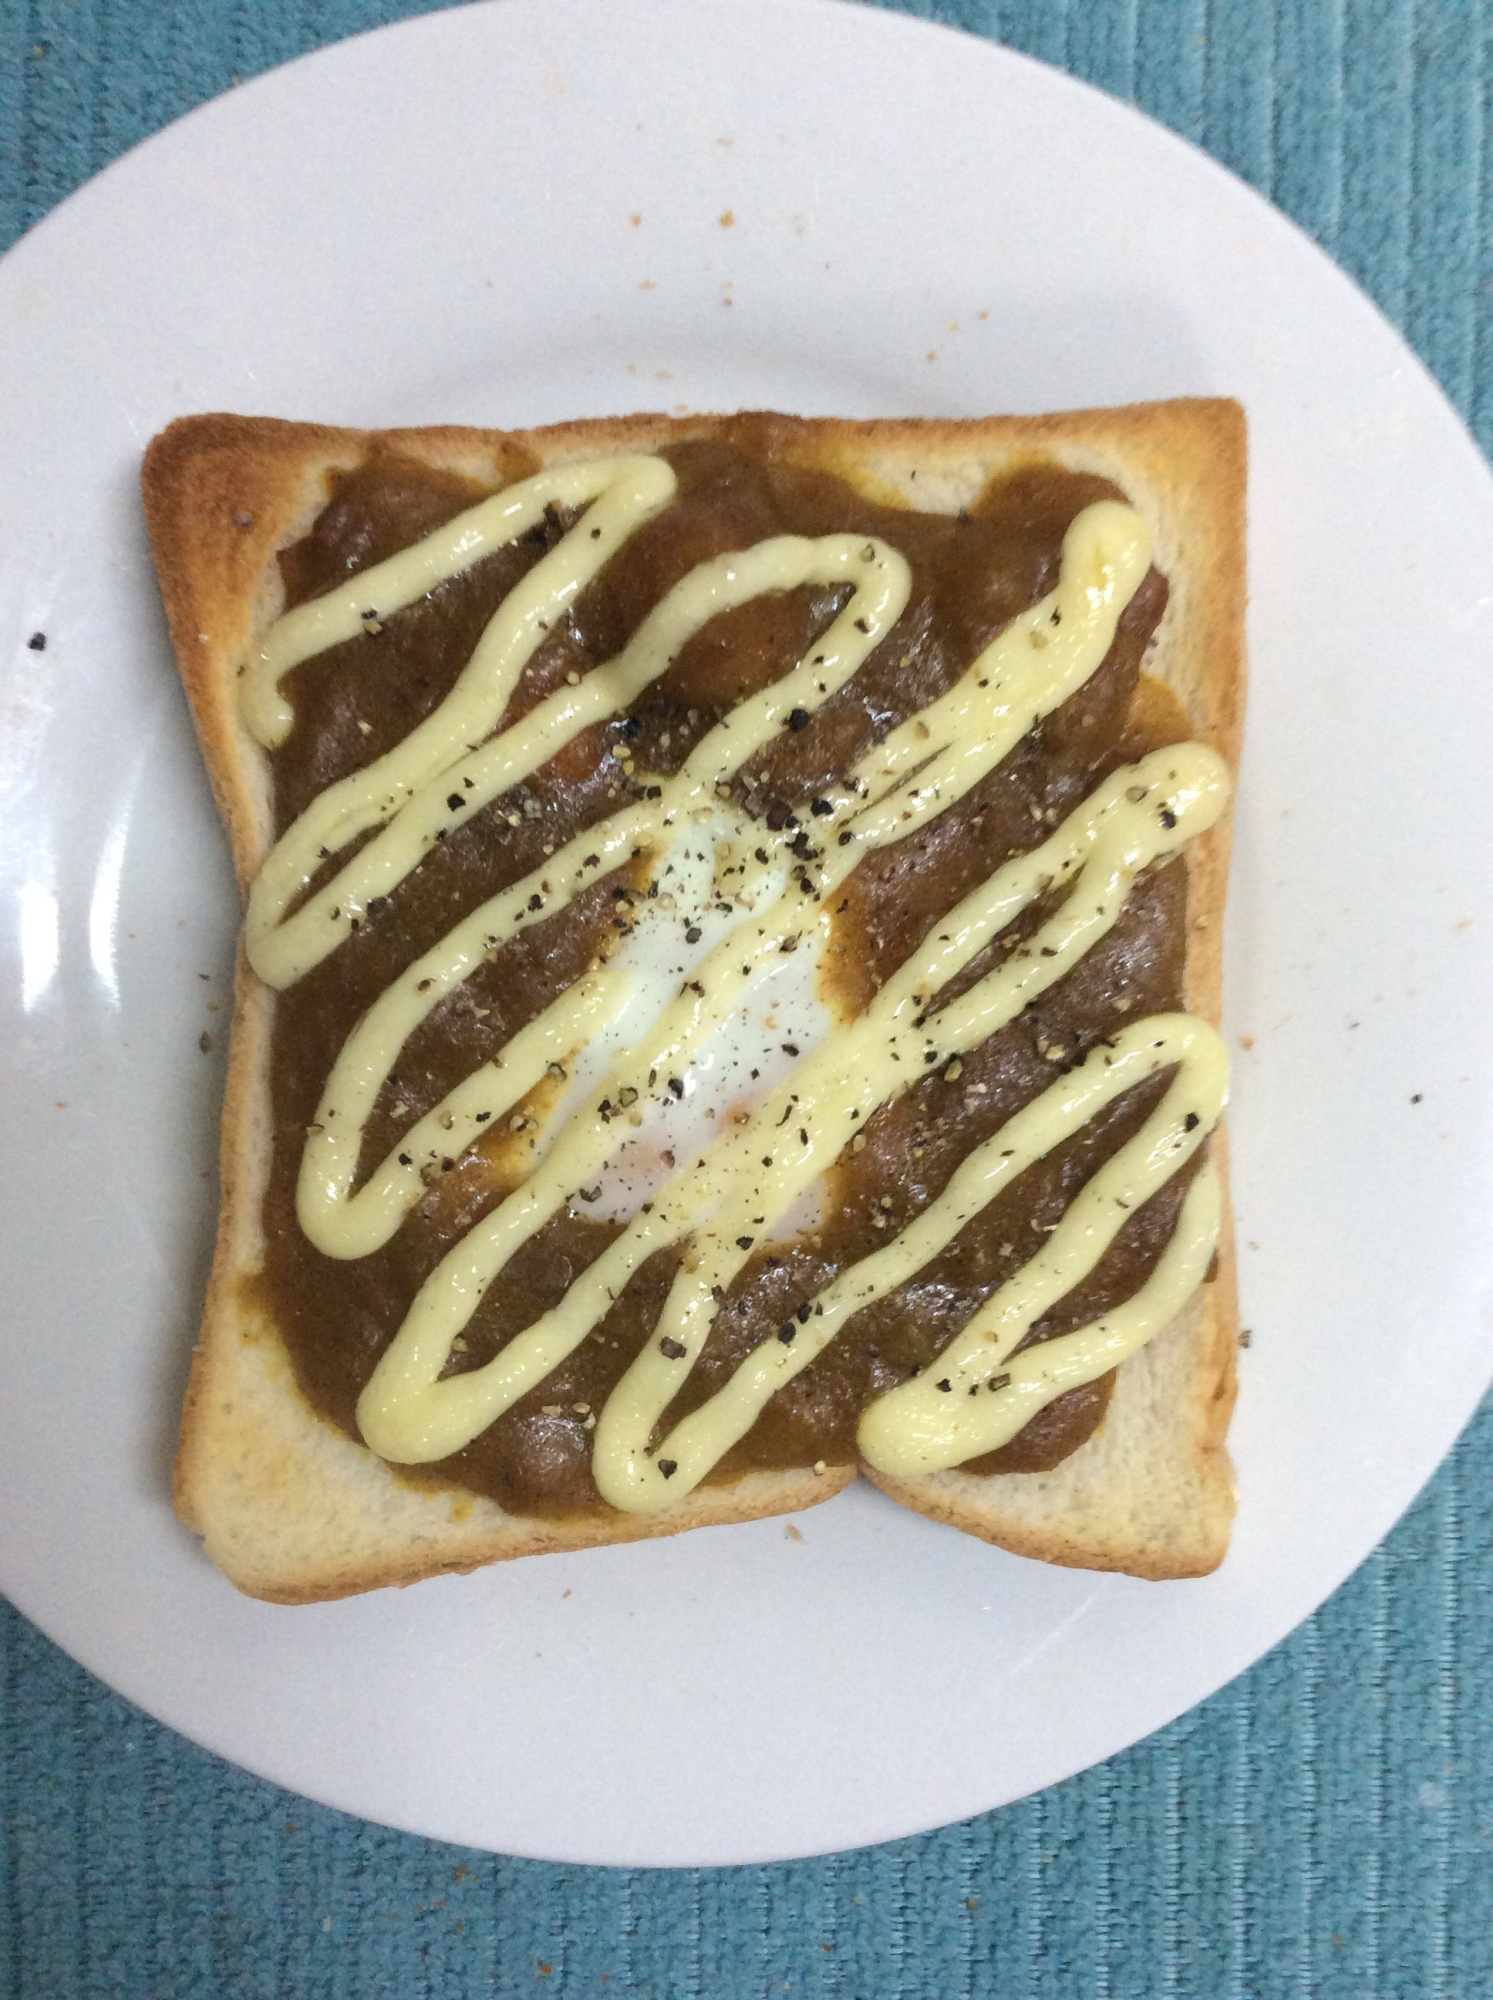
x=1324 y=1826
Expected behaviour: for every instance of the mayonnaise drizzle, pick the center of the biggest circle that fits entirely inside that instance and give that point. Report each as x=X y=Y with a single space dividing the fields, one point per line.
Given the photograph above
x=879 y=580
x=877 y=1057
x=407 y=1413
x=410 y=783
x=452 y=765
x=931 y=1423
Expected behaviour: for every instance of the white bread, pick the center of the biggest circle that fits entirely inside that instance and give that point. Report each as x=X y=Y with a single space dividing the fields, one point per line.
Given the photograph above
x=292 y=1509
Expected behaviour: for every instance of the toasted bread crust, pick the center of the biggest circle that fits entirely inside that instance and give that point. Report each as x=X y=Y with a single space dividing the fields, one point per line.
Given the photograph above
x=296 y=1512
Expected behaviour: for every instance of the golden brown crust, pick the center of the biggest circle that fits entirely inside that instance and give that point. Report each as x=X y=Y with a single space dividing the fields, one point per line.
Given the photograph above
x=292 y=1510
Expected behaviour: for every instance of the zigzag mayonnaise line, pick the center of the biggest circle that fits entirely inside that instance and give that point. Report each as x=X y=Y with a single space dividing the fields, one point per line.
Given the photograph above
x=862 y=1069
x=445 y=770
x=972 y=728
x=927 y=1424
x=408 y=1413
x=879 y=579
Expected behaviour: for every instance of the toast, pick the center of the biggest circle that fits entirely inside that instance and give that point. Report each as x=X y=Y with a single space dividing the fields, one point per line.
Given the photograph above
x=291 y=1504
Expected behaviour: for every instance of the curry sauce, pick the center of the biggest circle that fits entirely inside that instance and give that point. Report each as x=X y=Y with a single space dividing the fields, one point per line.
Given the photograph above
x=971 y=575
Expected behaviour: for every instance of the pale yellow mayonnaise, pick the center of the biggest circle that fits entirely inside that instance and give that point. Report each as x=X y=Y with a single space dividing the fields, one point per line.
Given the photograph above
x=730 y=1197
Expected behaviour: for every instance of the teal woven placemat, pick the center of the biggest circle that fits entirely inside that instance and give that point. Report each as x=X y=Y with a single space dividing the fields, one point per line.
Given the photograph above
x=1323 y=1827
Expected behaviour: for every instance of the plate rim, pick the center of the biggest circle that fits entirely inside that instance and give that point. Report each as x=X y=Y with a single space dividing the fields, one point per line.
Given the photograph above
x=895 y=23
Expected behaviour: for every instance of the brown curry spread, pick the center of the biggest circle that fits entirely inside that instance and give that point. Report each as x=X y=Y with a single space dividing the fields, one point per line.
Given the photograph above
x=971 y=575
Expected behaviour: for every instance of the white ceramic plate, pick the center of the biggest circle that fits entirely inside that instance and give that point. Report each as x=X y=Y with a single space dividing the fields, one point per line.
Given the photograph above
x=547 y=208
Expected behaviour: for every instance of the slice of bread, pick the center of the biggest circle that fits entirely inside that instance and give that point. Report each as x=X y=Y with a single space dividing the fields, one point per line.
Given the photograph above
x=294 y=1510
